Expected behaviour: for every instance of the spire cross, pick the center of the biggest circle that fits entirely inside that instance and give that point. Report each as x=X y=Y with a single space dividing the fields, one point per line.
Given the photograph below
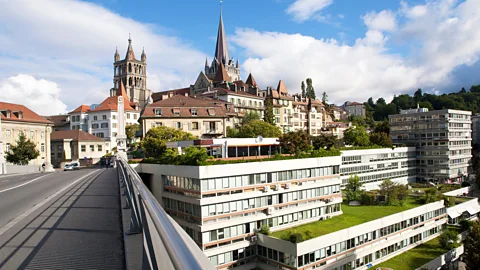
x=129 y=38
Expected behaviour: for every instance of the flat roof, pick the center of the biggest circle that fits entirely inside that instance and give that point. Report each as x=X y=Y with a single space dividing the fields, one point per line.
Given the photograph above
x=352 y=216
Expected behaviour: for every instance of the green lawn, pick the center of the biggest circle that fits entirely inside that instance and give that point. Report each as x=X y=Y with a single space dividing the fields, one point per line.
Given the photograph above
x=459 y=200
x=352 y=215
x=415 y=257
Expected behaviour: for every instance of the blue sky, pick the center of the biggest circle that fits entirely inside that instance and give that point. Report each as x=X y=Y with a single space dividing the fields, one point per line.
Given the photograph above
x=57 y=54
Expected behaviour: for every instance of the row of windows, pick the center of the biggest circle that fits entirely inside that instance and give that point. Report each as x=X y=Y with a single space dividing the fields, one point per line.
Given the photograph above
x=388 y=250
x=234 y=255
x=236 y=230
x=368 y=237
x=383 y=176
x=240 y=205
x=103 y=125
x=9 y=133
x=367 y=168
x=83 y=148
x=416 y=118
x=244 y=103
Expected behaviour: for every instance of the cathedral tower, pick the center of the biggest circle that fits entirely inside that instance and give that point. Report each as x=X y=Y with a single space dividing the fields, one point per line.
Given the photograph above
x=222 y=56
x=133 y=73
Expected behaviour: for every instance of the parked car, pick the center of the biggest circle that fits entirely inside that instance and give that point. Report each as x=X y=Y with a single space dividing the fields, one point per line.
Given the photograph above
x=75 y=166
x=68 y=167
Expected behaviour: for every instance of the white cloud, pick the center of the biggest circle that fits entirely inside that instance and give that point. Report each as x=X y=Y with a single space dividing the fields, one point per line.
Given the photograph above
x=385 y=20
x=444 y=38
x=302 y=10
x=41 y=96
x=72 y=43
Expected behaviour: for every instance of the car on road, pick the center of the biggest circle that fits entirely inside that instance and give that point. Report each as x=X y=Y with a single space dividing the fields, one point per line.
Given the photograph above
x=71 y=167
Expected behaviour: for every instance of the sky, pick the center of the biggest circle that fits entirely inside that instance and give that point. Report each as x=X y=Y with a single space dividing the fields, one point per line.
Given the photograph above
x=58 y=54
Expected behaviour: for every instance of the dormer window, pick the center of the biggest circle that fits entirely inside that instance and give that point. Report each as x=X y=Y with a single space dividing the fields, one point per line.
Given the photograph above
x=176 y=112
x=158 y=112
x=211 y=112
x=194 y=112
x=18 y=115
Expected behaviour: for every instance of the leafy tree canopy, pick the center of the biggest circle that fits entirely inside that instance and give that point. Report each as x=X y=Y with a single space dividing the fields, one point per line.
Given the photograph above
x=353 y=189
x=268 y=115
x=254 y=129
x=22 y=151
x=250 y=116
x=131 y=130
x=381 y=138
x=155 y=141
x=472 y=247
x=295 y=142
x=325 y=141
x=356 y=136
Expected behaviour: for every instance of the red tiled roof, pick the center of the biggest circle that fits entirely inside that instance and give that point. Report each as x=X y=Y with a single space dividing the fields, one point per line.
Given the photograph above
x=27 y=114
x=81 y=109
x=75 y=135
x=222 y=75
x=282 y=88
x=354 y=103
x=183 y=105
x=223 y=91
x=251 y=80
x=111 y=103
x=58 y=120
x=181 y=91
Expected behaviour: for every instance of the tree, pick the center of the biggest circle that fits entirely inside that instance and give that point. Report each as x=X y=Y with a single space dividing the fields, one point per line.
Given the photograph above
x=304 y=93
x=155 y=141
x=257 y=128
x=381 y=101
x=131 y=130
x=250 y=116
x=472 y=248
x=310 y=93
x=268 y=115
x=383 y=126
x=353 y=189
x=295 y=142
x=23 y=151
x=324 y=98
x=371 y=103
x=395 y=193
x=381 y=138
x=324 y=141
x=431 y=195
x=418 y=95
x=264 y=229
x=448 y=238
x=356 y=136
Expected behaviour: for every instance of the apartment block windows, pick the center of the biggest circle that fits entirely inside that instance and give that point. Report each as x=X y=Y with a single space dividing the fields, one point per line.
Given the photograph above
x=99 y=147
x=95 y=118
x=94 y=126
x=194 y=125
x=104 y=125
x=114 y=117
x=104 y=117
x=83 y=148
x=92 y=148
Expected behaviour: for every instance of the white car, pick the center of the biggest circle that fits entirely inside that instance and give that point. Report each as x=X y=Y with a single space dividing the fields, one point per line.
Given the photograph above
x=71 y=167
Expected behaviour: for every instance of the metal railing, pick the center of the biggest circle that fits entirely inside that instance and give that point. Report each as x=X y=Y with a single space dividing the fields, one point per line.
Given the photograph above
x=165 y=244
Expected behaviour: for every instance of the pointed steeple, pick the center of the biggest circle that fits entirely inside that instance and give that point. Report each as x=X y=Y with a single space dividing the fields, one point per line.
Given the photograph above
x=144 y=55
x=221 y=50
x=282 y=88
x=130 y=54
x=116 y=57
x=206 y=61
x=237 y=65
x=222 y=75
x=251 y=81
x=121 y=91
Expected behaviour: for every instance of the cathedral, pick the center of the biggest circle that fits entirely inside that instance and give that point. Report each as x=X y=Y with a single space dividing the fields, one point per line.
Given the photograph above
x=133 y=74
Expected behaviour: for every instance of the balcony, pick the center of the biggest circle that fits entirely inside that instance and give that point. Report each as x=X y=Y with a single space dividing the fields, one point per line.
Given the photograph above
x=212 y=131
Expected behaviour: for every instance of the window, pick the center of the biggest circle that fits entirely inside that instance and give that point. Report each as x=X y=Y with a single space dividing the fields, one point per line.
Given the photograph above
x=59 y=147
x=95 y=118
x=94 y=126
x=104 y=125
x=99 y=147
x=158 y=112
x=194 y=125
x=7 y=147
x=179 y=125
x=9 y=133
x=211 y=112
x=42 y=148
x=83 y=148
x=176 y=112
x=194 y=112
x=104 y=117
x=100 y=135
x=92 y=148
x=114 y=125
x=42 y=135
x=32 y=134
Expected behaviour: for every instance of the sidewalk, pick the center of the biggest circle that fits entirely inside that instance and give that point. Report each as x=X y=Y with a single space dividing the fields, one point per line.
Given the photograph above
x=81 y=229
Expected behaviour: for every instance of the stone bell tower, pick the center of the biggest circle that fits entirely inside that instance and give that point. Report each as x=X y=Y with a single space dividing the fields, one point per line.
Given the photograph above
x=133 y=73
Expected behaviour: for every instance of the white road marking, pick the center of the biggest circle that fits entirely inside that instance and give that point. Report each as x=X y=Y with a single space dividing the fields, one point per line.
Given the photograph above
x=26 y=183
x=27 y=213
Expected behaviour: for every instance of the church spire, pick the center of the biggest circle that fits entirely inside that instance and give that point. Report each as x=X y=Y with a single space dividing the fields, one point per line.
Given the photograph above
x=117 y=55
x=130 y=54
x=221 y=50
x=144 y=55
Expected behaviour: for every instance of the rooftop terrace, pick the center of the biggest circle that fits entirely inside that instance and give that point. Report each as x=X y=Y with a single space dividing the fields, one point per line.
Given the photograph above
x=352 y=216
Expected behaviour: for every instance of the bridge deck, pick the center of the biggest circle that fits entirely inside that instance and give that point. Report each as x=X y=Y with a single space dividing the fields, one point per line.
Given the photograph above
x=80 y=228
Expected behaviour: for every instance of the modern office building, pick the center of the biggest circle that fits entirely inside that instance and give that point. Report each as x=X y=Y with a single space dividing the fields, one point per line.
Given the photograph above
x=373 y=166
x=443 y=141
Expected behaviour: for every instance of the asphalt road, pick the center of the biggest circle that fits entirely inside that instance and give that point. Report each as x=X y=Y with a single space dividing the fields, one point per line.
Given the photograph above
x=19 y=193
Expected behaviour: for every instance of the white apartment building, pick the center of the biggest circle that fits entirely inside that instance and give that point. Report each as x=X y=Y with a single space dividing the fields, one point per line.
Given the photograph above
x=221 y=206
x=357 y=247
x=373 y=166
x=443 y=141
x=102 y=120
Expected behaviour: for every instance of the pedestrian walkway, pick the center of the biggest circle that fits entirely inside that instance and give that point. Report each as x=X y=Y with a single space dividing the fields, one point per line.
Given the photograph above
x=79 y=229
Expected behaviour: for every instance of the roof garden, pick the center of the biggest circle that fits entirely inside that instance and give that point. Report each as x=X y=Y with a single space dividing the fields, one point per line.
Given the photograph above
x=415 y=257
x=352 y=216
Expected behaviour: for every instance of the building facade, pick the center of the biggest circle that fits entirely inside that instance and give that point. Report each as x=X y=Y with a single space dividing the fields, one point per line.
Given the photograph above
x=373 y=166
x=308 y=115
x=79 y=118
x=355 y=108
x=3 y=165
x=76 y=146
x=443 y=141
x=60 y=122
x=18 y=119
x=133 y=73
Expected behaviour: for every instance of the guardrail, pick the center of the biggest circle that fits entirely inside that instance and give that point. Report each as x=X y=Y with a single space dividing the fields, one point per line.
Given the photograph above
x=165 y=244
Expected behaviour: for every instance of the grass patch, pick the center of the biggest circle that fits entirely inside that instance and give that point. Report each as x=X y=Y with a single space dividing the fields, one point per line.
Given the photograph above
x=352 y=216
x=415 y=257
x=459 y=200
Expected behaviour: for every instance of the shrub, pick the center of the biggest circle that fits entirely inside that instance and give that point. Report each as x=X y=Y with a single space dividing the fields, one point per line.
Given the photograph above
x=264 y=229
x=448 y=239
x=308 y=235
x=465 y=225
x=296 y=238
x=367 y=199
